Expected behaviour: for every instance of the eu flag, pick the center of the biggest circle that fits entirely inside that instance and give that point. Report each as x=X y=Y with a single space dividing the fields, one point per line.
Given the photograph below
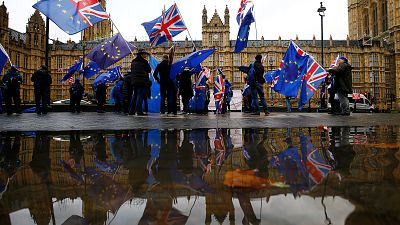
x=155 y=99
x=192 y=61
x=91 y=69
x=72 y=16
x=76 y=67
x=291 y=74
x=244 y=18
x=3 y=57
x=110 y=51
x=108 y=77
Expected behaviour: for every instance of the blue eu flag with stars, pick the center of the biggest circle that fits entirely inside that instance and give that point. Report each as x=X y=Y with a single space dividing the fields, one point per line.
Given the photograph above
x=155 y=99
x=91 y=69
x=110 y=51
x=244 y=18
x=74 y=68
x=108 y=77
x=293 y=69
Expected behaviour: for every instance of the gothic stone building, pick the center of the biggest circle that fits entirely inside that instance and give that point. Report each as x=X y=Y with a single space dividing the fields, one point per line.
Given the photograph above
x=373 y=48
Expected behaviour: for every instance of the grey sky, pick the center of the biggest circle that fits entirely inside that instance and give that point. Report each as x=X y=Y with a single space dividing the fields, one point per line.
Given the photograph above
x=285 y=18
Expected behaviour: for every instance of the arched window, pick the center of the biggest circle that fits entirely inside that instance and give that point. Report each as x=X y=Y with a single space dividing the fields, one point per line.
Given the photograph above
x=385 y=25
x=366 y=22
x=375 y=18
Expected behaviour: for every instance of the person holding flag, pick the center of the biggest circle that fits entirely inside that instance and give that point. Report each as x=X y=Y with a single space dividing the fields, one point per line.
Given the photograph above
x=219 y=91
x=256 y=82
x=140 y=69
x=76 y=92
x=12 y=83
x=42 y=81
x=185 y=88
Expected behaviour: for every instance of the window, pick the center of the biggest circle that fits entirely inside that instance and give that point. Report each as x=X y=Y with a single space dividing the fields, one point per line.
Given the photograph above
x=373 y=60
x=355 y=61
x=236 y=60
x=356 y=77
x=270 y=61
x=387 y=63
x=237 y=77
x=211 y=61
x=59 y=63
x=366 y=22
x=221 y=59
x=375 y=16
x=17 y=59
x=384 y=15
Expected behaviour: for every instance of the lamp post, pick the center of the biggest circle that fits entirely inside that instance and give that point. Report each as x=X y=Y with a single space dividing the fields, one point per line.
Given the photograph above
x=321 y=11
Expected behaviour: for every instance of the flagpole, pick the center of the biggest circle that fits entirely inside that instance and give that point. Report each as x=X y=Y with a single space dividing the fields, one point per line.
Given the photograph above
x=187 y=29
x=129 y=47
x=255 y=25
x=46 y=54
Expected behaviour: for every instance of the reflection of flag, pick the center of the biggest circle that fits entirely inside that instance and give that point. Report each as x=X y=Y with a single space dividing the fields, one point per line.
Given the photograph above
x=72 y=16
x=294 y=66
x=91 y=69
x=317 y=167
x=154 y=141
x=110 y=51
x=244 y=18
x=219 y=147
x=108 y=77
x=312 y=80
x=155 y=99
x=76 y=67
x=163 y=28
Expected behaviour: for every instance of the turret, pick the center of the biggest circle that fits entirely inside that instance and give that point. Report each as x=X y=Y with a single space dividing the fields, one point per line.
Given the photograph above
x=204 y=21
x=226 y=16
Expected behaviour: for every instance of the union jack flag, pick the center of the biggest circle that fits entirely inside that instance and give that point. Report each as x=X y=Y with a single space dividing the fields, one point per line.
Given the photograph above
x=311 y=81
x=317 y=168
x=163 y=28
x=243 y=9
x=72 y=16
x=71 y=80
x=220 y=147
x=219 y=90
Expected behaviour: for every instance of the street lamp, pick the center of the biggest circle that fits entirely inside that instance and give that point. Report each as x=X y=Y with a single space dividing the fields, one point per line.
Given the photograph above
x=321 y=11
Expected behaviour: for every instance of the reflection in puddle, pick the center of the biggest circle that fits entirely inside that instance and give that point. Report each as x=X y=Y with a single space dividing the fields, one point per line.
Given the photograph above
x=338 y=175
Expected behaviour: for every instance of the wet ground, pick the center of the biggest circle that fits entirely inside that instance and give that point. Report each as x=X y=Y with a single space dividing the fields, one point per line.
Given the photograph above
x=321 y=175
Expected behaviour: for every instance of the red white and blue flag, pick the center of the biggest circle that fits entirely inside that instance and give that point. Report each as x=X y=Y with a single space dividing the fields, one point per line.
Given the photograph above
x=163 y=28
x=72 y=16
x=311 y=81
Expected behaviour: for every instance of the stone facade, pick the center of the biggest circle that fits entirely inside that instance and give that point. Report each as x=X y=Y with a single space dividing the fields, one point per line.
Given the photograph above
x=375 y=57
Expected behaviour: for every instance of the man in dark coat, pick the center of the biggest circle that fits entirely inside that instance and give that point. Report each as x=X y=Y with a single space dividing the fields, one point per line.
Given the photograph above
x=101 y=94
x=167 y=88
x=256 y=86
x=343 y=83
x=12 y=83
x=140 y=69
x=76 y=92
x=185 y=88
x=1 y=95
x=41 y=82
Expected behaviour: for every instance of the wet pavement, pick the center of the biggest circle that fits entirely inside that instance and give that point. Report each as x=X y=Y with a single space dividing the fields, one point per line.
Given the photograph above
x=317 y=175
x=111 y=121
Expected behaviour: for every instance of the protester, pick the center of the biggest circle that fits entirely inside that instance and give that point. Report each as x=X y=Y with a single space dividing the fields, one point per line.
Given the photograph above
x=127 y=91
x=140 y=70
x=116 y=95
x=185 y=88
x=198 y=101
x=76 y=92
x=256 y=81
x=101 y=94
x=246 y=94
x=167 y=89
x=12 y=83
x=228 y=94
x=343 y=84
x=41 y=82
x=219 y=90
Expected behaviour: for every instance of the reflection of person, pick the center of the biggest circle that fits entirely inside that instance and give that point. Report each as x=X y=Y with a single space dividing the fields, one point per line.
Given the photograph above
x=254 y=151
x=40 y=163
x=343 y=83
x=9 y=161
x=41 y=82
x=342 y=150
x=248 y=211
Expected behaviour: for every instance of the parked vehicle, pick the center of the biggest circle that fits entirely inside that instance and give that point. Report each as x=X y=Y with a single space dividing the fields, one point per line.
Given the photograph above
x=362 y=104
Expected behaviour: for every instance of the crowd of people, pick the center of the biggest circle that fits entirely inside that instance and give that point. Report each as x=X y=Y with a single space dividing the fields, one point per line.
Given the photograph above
x=132 y=91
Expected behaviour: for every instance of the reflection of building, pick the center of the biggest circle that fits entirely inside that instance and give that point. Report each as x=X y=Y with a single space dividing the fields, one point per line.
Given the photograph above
x=371 y=47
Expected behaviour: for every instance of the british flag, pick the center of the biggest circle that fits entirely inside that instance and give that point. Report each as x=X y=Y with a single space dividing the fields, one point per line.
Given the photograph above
x=163 y=28
x=245 y=6
x=311 y=81
x=72 y=16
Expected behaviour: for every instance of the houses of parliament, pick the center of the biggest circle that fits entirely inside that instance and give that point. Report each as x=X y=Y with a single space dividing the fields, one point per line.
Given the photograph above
x=372 y=46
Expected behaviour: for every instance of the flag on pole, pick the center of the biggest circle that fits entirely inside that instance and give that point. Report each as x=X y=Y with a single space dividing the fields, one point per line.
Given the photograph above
x=3 y=57
x=110 y=51
x=76 y=67
x=245 y=18
x=312 y=80
x=155 y=100
x=91 y=69
x=72 y=16
x=192 y=61
x=163 y=28
x=293 y=67
x=108 y=77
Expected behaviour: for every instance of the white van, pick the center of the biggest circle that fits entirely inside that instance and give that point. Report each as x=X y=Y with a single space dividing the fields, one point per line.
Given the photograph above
x=363 y=104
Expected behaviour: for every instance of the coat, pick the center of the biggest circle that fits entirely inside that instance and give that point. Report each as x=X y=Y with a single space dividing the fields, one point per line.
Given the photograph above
x=185 y=83
x=127 y=89
x=163 y=70
x=76 y=90
x=343 y=78
x=12 y=80
x=140 y=70
x=41 y=80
